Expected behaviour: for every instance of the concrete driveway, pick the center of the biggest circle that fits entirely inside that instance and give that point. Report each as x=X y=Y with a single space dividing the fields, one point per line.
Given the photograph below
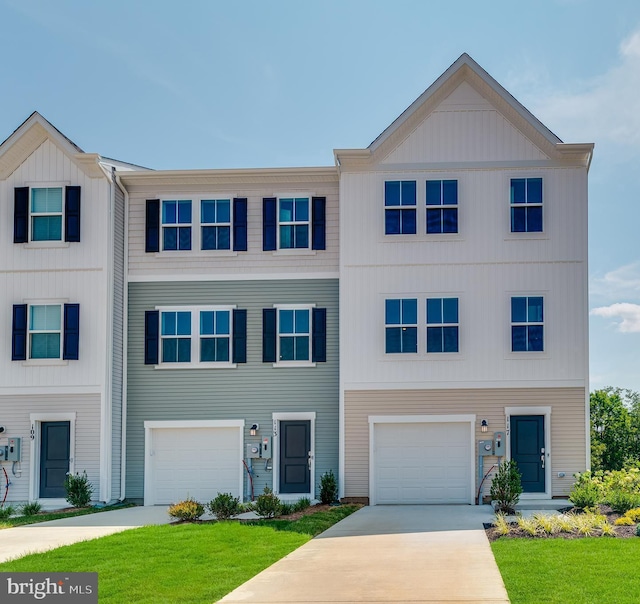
x=388 y=554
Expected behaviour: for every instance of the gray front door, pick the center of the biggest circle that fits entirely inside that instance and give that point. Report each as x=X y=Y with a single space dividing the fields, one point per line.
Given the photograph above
x=54 y=458
x=527 y=449
x=295 y=448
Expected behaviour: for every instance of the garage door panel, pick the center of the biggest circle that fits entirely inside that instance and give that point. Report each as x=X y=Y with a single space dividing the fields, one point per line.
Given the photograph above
x=422 y=462
x=194 y=462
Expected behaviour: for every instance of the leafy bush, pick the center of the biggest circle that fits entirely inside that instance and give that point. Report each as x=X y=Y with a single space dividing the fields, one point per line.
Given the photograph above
x=328 y=487
x=624 y=521
x=638 y=531
x=506 y=487
x=286 y=508
x=267 y=504
x=623 y=501
x=30 y=509
x=189 y=510
x=78 y=489
x=225 y=506
x=6 y=512
x=586 y=493
x=302 y=504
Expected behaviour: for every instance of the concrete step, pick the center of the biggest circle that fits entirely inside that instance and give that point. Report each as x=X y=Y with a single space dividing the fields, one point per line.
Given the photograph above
x=543 y=504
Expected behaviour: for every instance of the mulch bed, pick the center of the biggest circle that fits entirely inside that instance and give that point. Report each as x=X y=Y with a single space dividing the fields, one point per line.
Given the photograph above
x=623 y=532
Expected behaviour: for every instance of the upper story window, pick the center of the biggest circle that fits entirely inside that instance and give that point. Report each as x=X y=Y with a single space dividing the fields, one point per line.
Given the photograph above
x=527 y=324
x=196 y=336
x=215 y=220
x=401 y=325
x=293 y=223
x=442 y=325
x=526 y=205
x=176 y=224
x=46 y=214
x=45 y=331
x=294 y=334
x=400 y=207
x=442 y=206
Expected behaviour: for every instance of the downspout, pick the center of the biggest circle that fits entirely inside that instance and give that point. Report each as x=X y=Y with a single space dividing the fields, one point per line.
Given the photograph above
x=125 y=337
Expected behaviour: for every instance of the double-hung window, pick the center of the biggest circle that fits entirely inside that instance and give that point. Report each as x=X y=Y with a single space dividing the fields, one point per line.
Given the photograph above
x=176 y=224
x=294 y=334
x=215 y=220
x=526 y=205
x=45 y=331
x=401 y=325
x=400 y=207
x=442 y=206
x=442 y=325
x=527 y=324
x=46 y=214
x=196 y=336
x=293 y=223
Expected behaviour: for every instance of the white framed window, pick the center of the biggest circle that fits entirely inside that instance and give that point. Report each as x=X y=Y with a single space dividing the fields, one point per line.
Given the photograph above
x=401 y=325
x=527 y=324
x=46 y=212
x=176 y=224
x=196 y=336
x=442 y=325
x=45 y=331
x=293 y=223
x=400 y=207
x=526 y=205
x=215 y=224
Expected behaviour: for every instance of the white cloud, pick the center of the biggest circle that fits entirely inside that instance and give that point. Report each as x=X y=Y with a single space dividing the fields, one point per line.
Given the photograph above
x=622 y=282
x=605 y=108
x=627 y=312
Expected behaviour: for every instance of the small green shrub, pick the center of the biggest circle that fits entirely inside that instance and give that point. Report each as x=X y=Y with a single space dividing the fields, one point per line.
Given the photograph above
x=624 y=521
x=328 y=488
x=506 y=487
x=189 y=510
x=267 y=504
x=623 y=501
x=638 y=531
x=6 y=512
x=286 y=508
x=30 y=509
x=302 y=504
x=586 y=493
x=225 y=506
x=78 y=489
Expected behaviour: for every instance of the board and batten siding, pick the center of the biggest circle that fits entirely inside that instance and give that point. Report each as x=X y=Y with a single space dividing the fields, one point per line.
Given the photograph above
x=16 y=410
x=252 y=391
x=254 y=261
x=568 y=432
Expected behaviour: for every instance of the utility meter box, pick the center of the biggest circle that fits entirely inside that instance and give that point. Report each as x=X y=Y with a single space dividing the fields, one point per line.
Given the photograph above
x=485 y=447
x=253 y=450
x=266 y=447
x=13 y=449
x=499 y=444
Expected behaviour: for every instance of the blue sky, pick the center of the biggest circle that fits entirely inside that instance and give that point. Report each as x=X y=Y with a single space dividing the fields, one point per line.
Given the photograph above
x=209 y=84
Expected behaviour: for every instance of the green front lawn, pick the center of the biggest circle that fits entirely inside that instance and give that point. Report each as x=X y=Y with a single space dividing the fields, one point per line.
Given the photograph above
x=575 y=571
x=182 y=563
x=46 y=516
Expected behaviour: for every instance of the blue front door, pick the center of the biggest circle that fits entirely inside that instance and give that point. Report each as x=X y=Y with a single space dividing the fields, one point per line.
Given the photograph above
x=295 y=449
x=527 y=450
x=54 y=458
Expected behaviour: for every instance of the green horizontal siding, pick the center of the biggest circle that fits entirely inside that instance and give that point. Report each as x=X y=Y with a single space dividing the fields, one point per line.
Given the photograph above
x=251 y=391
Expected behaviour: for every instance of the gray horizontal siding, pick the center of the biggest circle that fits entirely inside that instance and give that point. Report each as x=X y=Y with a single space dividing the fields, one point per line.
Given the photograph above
x=252 y=391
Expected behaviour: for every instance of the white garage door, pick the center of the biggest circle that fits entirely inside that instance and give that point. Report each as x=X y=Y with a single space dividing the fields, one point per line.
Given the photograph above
x=193 y=462
x=422 y=463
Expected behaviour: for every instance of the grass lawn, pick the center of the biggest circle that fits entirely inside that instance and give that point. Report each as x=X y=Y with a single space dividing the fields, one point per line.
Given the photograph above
x=194 y=563
x=45 y=516
x=576 y=571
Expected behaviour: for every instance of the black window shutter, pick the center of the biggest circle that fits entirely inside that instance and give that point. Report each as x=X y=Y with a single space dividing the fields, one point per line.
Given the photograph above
x=72 y=214
x=239 y=336
x=319 y=336
x=19 y=333
x=269 y=224
x=318 y=223
x=152 y=226
x=151 y=336
x=71 y=332
x=21 y=215
x=240 y=225
x=269 y=335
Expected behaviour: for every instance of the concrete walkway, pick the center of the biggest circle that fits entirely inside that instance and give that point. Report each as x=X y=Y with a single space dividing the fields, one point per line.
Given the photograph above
x=32 y=538
x=388 y=554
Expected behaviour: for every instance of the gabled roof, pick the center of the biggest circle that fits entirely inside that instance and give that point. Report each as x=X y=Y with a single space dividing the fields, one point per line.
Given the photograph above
x=465 y=69
x=34 y=131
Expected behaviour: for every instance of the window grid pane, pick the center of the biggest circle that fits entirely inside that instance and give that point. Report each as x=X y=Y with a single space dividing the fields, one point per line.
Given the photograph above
x=45 y=331
x=176 y=214
x=400 y=220
x=402 y=314
x=294 y=334
x=444 y=313
x=215 y=217
x=293 y=221
x=526 y=205
x=527 y=324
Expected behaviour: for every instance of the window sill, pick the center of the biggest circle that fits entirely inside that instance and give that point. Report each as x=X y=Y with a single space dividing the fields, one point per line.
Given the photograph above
x=196 y=366
x=526 y=355
x=294 y=364
x=196 y=254
x=423 y=238
x=527 y=237
x=44 y=245
x=294 y=252
x=45 y=363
